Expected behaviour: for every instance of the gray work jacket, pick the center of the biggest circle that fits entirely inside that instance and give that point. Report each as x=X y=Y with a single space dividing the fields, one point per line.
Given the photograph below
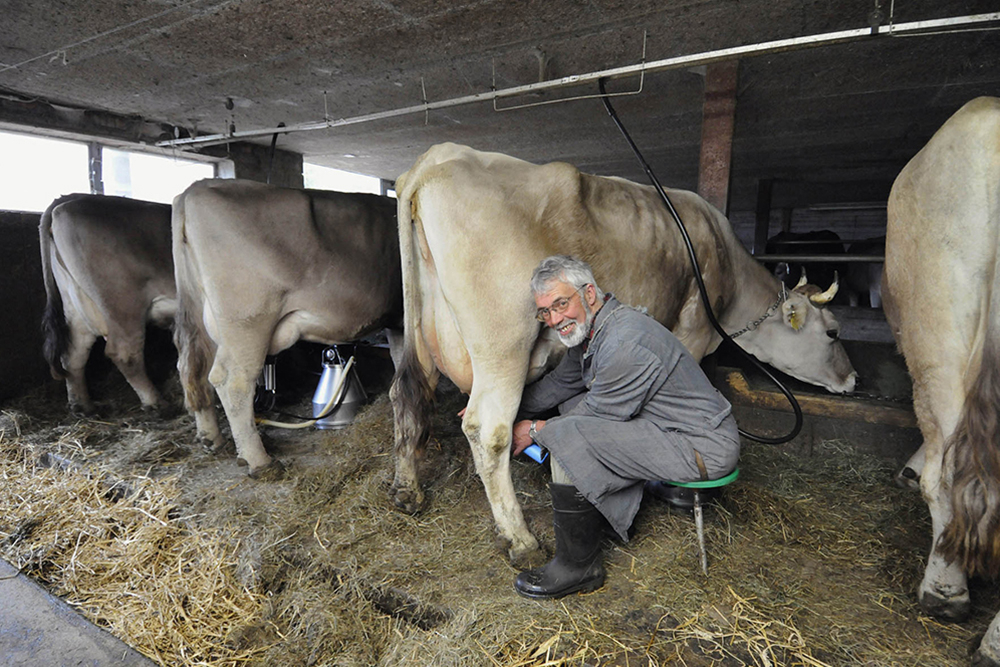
x=634 y=406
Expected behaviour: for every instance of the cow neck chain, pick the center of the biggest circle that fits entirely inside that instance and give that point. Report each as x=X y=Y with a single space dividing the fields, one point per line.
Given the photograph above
x=782 y=295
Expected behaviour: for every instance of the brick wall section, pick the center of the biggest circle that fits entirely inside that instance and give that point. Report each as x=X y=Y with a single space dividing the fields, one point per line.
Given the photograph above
x=22 y=299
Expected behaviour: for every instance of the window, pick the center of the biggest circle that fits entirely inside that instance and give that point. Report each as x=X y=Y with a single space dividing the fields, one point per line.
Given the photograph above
x=325 y=178
x=149 y=177
x=35 y=170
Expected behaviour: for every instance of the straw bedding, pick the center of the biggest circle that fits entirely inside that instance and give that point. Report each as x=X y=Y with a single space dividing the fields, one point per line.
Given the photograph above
x=813 y=560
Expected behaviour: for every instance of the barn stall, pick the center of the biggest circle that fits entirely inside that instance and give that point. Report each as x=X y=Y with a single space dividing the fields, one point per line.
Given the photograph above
x=814 y=553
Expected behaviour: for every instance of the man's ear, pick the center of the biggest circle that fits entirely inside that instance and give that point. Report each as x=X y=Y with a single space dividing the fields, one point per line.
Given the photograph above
x=591 y=294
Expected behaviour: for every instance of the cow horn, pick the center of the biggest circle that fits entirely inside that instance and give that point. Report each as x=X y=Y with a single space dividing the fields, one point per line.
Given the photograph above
x=828 y=295
x=802 y=279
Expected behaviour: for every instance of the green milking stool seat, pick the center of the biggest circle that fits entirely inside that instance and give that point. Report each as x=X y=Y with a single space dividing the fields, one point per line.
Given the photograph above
x=698 y=520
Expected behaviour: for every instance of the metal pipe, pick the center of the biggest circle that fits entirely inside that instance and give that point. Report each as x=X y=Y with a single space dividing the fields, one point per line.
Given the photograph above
x=707 y=57
x=832 y=259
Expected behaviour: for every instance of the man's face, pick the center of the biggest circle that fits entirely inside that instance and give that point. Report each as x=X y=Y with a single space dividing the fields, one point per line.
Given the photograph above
x=573 y=323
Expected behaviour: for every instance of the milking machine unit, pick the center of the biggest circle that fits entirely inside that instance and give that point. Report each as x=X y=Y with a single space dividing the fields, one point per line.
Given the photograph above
x=351 y=395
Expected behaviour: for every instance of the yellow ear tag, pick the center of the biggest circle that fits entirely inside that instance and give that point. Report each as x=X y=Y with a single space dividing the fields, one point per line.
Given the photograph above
x=796 y=318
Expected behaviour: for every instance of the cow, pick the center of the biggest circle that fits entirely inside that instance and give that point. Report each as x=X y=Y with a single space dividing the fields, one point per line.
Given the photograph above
x=473 y=226
x=941 y=296
x=107 y=271
x=259 y=267
x=819 y=242
x=864 y=279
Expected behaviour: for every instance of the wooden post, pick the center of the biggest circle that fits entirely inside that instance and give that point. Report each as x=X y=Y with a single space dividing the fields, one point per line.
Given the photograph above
x=718 y=120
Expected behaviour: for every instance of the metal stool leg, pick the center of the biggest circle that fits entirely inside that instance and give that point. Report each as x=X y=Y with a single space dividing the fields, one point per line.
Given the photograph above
x=700 y=527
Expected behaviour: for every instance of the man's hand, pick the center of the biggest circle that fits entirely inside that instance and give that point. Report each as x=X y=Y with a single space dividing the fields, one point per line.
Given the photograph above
x=521 y=439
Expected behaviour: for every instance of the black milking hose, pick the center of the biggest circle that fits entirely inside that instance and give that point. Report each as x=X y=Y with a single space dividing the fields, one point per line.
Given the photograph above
x=701 y=283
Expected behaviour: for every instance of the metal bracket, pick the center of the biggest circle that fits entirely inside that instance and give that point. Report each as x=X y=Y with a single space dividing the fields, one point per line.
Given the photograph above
x=543 y=61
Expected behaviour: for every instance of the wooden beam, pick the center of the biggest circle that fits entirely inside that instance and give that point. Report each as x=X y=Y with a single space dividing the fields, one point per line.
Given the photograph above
x=718 y=121
x=738 y=391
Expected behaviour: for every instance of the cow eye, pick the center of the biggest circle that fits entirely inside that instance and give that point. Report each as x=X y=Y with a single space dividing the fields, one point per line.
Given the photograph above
x=833 y=333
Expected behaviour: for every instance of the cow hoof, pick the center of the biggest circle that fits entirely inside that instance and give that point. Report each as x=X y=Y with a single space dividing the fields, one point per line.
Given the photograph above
x=979 y=659
x=526 y=557
x=241 y=462
x=79 y=410
x=222 y=447
x=907 y=478
x=407 y=499
x=272 y=472
x=954 y=609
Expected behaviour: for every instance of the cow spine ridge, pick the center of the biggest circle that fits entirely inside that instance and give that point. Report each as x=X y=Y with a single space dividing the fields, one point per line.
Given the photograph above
x=972 y=537
x=55 y=330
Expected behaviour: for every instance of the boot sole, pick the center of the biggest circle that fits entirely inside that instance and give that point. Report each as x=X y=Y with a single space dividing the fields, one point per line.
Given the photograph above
x=584 y=587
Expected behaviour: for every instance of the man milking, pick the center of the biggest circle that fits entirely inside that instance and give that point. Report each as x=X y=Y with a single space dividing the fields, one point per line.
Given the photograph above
x=633 y=406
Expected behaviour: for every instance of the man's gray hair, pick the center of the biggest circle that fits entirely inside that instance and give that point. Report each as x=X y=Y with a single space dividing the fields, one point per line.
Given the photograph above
x=563 y=268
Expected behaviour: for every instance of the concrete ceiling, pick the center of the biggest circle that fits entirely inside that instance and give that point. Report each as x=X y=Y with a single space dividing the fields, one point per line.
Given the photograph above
x=836 y=121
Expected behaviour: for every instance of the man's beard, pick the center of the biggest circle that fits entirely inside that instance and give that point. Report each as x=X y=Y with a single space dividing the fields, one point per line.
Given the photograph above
x=579 y=331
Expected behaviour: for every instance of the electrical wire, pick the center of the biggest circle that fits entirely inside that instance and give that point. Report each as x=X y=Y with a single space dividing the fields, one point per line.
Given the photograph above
x=701 y=283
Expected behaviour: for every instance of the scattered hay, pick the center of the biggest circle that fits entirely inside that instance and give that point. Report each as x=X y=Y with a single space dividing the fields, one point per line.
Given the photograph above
x=813 y=561
x=133 y=563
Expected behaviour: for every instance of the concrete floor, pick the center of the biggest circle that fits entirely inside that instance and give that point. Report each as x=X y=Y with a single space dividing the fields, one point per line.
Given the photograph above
x=38 y=629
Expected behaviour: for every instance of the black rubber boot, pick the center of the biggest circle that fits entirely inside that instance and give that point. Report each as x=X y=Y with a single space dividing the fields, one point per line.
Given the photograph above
x=577 y=566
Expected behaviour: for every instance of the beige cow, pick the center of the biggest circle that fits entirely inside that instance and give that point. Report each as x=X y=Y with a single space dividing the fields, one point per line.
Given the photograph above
x=472 y=228
x=107 y=272
x=259 y=267
x=941 y=294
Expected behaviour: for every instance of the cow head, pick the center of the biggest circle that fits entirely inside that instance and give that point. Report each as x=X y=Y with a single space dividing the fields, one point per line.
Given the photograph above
x=805 y=341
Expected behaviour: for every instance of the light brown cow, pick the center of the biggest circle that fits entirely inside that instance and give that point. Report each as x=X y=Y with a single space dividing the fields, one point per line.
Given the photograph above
x=258 y=268
x=107 y=272
x=472 y=228
x=941 y=293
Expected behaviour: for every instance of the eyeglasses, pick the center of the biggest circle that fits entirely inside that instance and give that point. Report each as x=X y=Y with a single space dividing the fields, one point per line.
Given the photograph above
x=558 y=306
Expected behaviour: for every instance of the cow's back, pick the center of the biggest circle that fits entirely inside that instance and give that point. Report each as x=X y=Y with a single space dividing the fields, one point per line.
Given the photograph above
x=941 y=235
x=252 y=250
x=117 y=252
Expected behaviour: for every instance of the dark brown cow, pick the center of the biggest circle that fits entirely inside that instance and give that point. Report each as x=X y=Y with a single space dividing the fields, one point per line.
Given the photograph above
x=108 y=272
x=941 y=295
x=259 y=267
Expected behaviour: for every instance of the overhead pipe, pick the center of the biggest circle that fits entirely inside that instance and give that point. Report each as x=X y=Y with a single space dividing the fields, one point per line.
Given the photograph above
x=707 y=57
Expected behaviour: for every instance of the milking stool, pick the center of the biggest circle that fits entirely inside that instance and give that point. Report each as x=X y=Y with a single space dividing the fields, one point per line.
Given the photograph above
x=698 y=519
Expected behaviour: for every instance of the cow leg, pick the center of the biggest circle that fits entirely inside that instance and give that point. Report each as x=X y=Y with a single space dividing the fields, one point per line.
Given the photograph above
x=126 y=351
x=75 y=362
x=944 y=591
x=234 y=377
x=988 y=653
x=909 y=476
x=487 y=424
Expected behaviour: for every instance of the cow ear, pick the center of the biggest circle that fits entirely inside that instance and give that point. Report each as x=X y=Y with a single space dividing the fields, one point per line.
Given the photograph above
x=794 y=315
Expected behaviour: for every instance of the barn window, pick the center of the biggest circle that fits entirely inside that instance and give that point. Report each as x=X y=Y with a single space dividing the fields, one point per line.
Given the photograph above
x=35 y=170
x=150 y=177
x=325 y=178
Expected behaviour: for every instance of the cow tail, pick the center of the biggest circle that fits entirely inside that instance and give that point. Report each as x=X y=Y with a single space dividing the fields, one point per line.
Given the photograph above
x=190 y=338
x=972 y=538
x=55 y=330
x=411 y=393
